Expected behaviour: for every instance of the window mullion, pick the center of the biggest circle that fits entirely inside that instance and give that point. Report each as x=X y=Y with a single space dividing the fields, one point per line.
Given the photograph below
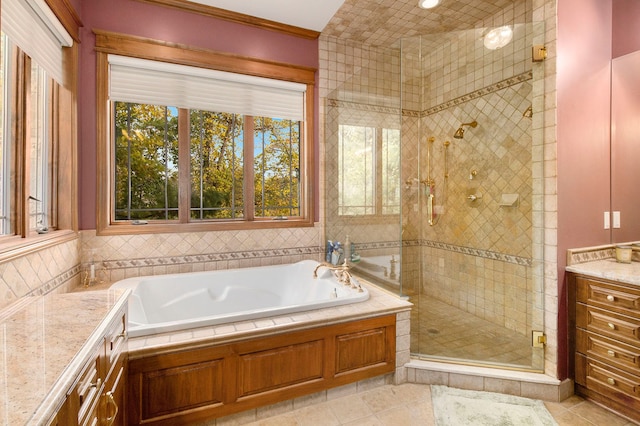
x=22 y=138
x=184 y=166
x=377 y=173
x=249 y=185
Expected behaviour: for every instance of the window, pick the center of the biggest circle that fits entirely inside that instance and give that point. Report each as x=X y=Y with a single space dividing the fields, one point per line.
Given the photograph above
x=369 y=171
x=201 y=147
x=36 y=136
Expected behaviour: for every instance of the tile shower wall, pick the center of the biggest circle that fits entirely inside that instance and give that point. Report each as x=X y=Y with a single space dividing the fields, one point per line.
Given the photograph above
x=125 y=256
x=359 y=86
x=53 y=269
x=478 y=255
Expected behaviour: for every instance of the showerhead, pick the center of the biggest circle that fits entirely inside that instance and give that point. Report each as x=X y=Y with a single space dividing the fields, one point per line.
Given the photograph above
x=459 y=134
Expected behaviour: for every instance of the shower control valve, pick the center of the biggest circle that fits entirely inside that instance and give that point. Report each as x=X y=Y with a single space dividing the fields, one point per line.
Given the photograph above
x=474 y=197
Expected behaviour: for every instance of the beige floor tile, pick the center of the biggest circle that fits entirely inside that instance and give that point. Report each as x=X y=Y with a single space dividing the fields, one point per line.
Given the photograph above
x=567 y=418
x=396 y=416
x=597 y=415
x=367 y=421
x=349 y=408
x=315 y=415
x=382 y=398
x=410 y=404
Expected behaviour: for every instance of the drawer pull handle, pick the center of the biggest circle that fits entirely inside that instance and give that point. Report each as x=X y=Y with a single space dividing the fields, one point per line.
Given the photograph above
x=111 y=402
x=611 y=353
x=610 y=298
x=611 y=325
x=611 y=381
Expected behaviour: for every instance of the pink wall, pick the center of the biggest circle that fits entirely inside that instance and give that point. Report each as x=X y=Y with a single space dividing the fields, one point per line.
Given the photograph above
x=626 y=37
x=146 y=20
x=583 y=126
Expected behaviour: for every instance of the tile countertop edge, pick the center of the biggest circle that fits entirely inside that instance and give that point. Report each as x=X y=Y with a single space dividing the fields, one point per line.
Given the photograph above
x=58 y=393
x=609 y=269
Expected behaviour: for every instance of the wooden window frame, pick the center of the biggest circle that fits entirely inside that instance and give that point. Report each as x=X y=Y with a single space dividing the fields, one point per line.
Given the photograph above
x=63 y=161
x=157 y=50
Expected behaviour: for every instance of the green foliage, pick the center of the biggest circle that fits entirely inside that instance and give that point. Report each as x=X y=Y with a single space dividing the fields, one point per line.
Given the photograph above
x=276 y=167
x=146 y=164
x=146 y=160
x=216 y=164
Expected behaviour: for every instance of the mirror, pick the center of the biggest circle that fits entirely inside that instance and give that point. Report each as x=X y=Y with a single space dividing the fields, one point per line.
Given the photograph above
x=625 y=145
x=625 y=119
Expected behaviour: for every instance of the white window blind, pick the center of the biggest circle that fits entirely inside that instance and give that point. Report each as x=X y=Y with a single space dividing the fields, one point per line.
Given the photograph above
x=31 y=25
x=160 y=83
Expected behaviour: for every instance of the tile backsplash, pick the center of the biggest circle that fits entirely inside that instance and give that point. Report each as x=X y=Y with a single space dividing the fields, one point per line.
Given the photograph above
x=48 y=270
x=124 y=256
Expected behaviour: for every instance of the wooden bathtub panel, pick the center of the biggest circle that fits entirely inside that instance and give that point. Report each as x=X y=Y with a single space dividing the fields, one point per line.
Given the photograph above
x=196 y=384
x=362 y=349
x=279 y=367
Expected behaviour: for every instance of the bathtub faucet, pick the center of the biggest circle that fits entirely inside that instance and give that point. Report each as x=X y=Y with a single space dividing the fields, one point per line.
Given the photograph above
x=341 y=271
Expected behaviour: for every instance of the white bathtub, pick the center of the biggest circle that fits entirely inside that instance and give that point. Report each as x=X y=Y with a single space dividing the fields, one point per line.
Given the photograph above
x=181 y=301
x=379 y=268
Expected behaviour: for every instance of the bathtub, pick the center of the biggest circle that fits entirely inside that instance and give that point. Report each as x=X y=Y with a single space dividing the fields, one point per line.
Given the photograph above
x=378 y=268
x=175 y=302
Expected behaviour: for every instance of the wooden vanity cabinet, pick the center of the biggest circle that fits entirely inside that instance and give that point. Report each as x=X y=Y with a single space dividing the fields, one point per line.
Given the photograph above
x=188 y=385
x=605 y=341
x=97 y=394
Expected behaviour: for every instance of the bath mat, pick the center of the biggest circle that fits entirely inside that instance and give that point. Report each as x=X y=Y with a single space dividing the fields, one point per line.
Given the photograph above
x=457 y=407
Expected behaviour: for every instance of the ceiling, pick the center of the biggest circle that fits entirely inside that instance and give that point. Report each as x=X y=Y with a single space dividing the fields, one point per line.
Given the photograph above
x=370 y=22
x=308 y=14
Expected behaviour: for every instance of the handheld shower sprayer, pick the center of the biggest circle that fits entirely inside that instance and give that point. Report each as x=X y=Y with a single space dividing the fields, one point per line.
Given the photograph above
x=459 y=134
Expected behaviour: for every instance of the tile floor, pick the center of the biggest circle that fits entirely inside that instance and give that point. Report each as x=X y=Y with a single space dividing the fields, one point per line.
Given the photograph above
x=405 y=405
x=439 y=330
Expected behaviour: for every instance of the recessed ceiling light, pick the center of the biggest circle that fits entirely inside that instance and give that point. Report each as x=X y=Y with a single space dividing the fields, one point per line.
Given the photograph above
x=428 y=4
x=498 y=37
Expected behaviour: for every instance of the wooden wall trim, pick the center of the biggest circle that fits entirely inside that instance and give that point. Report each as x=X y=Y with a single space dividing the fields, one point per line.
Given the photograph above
x=236 y=17
x=159 y=50
x=68 y=17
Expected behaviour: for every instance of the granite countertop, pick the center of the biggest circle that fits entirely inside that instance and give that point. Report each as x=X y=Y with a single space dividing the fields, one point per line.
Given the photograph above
x=609 y=269
x=44 y=341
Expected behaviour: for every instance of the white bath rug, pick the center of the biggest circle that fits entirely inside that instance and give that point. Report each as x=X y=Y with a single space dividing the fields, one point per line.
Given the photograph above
x=457 y=407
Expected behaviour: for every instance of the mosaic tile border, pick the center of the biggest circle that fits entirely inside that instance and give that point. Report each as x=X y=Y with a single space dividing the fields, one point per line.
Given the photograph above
x=209 y=257
x=377 y=245
x=487 y=254
x=590 y=254
x=56 y=282
x=294 y=251
x=512 y=81
x=356 y=106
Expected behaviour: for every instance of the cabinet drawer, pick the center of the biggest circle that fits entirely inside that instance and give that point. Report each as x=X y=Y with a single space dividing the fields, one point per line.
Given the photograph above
x=610 y=324
x=609 y=296
x=613 y=383
x=116 y=339
x=608 y=350
x=86 y=392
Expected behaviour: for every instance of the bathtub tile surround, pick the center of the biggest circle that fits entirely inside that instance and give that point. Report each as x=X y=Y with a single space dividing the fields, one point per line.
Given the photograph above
x=379 y=302
x=54 y=269
x=126 y=256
